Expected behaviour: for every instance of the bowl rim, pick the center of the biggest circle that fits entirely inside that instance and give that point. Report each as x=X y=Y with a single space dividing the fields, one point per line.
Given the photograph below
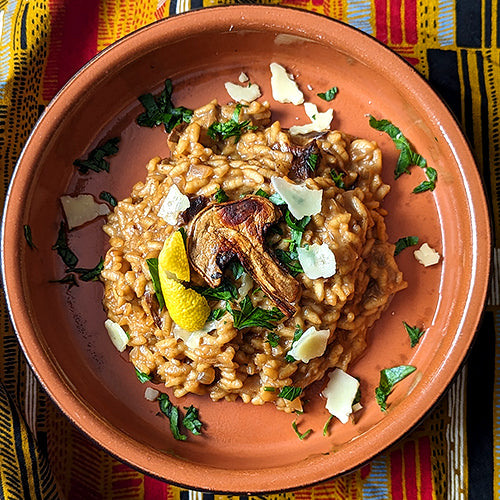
x=101 y=432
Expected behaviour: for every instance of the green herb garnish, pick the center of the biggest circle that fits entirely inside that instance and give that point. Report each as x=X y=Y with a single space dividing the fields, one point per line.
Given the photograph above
x=216 y=314
x=289 y=392
x=269 y=389
x=109 y=198
x=277 y=199
x=225 y=291
x=337 y=178
x=155 y=278
x=62 y=248
x=91 y=274
x=296 y=429
x=329 y=95
x=249 y=316
x=69 y=279
x=231 y=128
x=237 y=269
x=160 y=110
x=312 y=161
x=389 y=377
x=297 y=228
x=414 y=333
x=172 y=413
x=430 y=184
x=405 y=242
x=142 y=377
x=273 y=338
x=221 y=196
x=261 y=192
x=290 y=260
x=327 y=424
x=296 y=336
x=95 y=160
x=407 y=156
x=191 y=420
x=28 y=237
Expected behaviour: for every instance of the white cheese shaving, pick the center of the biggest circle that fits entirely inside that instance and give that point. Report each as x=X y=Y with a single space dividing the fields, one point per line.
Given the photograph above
x=116 y=334
x=300 y=199
x=193 y=339
x=81 y=209
x=426 y=255
x=243 y=94
x=243 y=77
x=320 y=122
x=175 y=202
x=246 y=285
x=284 y=89
x=151 y=394
x=311 y=344
x=340 y=393
x=317 y=261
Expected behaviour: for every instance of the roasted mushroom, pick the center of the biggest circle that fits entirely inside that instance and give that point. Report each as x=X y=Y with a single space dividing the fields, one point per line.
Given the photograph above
x=223 y=231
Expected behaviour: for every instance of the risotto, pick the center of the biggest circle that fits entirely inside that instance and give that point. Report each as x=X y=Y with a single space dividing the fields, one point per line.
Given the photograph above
x=242 y=239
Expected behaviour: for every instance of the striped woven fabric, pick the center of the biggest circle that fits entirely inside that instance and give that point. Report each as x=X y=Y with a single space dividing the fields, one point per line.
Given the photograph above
x=455 y=452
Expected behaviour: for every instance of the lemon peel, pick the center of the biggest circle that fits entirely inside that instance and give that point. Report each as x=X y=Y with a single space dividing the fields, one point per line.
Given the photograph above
x=186 y=307
x=173 y=260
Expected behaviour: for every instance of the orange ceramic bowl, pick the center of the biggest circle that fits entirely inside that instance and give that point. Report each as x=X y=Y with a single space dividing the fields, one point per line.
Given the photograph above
x=244 y=448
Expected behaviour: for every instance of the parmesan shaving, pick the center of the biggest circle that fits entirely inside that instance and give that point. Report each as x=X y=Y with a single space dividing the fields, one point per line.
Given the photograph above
x=317 y=261
x=284 y=89
x=81 y=209
x=243 y=94
x=340 y=393
x=311 y=344
x=117 y=334
x=174 y=203
x=301 y=200
x=151 y=394
x=426 y=255
x=320 y=122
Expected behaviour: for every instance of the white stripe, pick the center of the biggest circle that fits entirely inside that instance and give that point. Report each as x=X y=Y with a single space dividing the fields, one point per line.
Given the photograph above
x=30 y=400
x=182 y=6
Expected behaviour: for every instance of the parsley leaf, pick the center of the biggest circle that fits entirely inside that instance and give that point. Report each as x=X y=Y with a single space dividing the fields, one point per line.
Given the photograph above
x=248 y=315
x=273 y=338
x=63 y=250
x=221 y=196
x=289 y=392
x=312 y=161
x=296 y=336
x=337 y=178
x=161 y=109
x=407 y=156
x=225 y=291
x=414 y=333
x=95 y=160
x=327 y=424
x=237 y=269
x=91 y=274
x=172 y=413
x=261 y=192
x=28 y=237
x=69 y=279
x=329 y=95
x=231 y=128
x=155 y=278
x=191 y=420
x=389 y=377
x=405 y=242
x=297 y=228
x=296 y=429
x=430 y=184
x=277 y=199
x=142 y=377
x=216 y=314
x=290 y=260
x=109 y=198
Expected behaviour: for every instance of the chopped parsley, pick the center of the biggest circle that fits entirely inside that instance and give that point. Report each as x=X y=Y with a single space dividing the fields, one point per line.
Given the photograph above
x=160 y=110
x=216 y=314
x=289 y=260
x=237 y=269
x=430 y=183
x=28 y=237
x=248 y=315
x=312 y=161
x=329 y=95
x=231 y=128
x=155 y=278
x=261 y=192
x=172 y=413
x=289 y=392
x=225 y=291
x=191 y=420
x=104 y=195
x=407 y=156
x=96 y=158
x=273 y=338
x=221 y=196
x=142 y=377
x=62 y=248
x=297 y=228
x=327 y=424
x=405 y=242
x=414 y=333
x=91 y=274
x=299 y=434
x=389 y=377
x=337 y=178
x=267 y=388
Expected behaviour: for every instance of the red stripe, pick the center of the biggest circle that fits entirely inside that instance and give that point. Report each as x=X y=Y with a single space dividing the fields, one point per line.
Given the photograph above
x=365 y=471
x=397 y=475
x=396 y=30
x=411 y=22
x=381 y=20
x=425 y=457
x=410 y=471
x=154 y=489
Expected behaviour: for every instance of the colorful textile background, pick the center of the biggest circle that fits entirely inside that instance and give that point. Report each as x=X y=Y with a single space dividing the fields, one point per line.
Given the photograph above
x=455 y=452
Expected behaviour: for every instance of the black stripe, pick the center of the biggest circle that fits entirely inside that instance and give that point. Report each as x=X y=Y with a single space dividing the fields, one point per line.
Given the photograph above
x=196 y=4
x=172 y=10
x=469 y=23
x=467 y=93
x=24 y=20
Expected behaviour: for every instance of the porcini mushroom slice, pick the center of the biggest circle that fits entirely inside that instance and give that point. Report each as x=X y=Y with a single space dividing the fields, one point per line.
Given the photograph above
x=223 y=231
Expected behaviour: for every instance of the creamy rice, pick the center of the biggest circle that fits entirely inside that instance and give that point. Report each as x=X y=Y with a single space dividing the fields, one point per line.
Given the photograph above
x=226 y=362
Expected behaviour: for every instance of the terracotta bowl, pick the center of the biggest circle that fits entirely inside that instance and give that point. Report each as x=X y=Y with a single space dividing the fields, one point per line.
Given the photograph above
x=244 y=448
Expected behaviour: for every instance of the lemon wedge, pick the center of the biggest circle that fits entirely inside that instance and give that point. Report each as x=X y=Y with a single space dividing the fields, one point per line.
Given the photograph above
x=173 y=260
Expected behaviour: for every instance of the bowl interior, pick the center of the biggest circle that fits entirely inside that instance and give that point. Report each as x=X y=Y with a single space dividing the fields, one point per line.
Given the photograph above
x=243 y=448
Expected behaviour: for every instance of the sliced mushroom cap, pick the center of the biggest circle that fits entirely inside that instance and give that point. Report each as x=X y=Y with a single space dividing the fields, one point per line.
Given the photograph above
x=223 y=231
